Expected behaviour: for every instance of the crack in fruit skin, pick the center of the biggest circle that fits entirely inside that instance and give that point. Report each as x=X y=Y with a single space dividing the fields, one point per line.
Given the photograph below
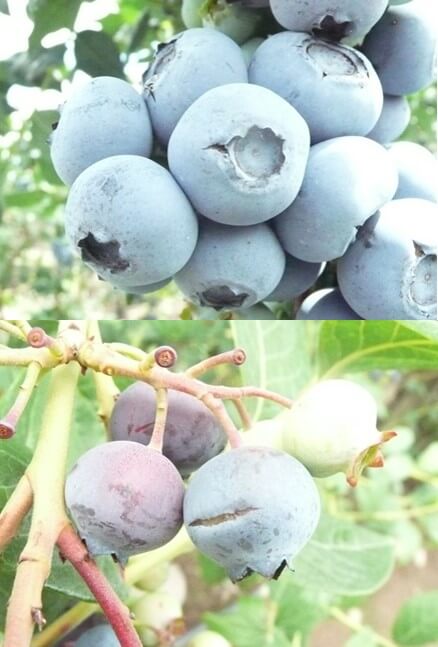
x=276 y=509
x=222 y=518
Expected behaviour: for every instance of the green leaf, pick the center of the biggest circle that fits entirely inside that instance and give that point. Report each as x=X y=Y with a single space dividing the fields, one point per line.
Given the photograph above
x=299 y=609
x=211 y=572
x=417 y=620
x=250 y=625
x=97 y=54
x=279 y=358
x=48 y=19
x=346 y=346
x=343 y=558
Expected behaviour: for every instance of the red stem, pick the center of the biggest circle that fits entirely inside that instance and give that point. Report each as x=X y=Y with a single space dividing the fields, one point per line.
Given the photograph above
x=116 y=612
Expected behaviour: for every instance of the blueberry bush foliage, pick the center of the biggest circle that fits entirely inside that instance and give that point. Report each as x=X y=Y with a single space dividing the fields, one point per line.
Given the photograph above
x=372 y=540
x=39 y=274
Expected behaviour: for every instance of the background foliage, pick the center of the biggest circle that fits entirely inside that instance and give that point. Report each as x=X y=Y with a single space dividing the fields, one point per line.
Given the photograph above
x=39 y=277
x=366 y=536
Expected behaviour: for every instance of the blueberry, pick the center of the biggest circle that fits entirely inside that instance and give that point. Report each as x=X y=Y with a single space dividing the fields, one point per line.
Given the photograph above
x=334 y=87
x=102 y=635
x=390 y=271
x=192 y=434
x=249 y=48
x=329 y=19
x=347 y=179
x=417 y=169
x=130 y=221
x=140 y=289
x=234 y=20
x=251 y=509
x=328 y=304
x=104 y=117
x=298 y=277
x=232 y=267
x=402 y=47
x=124 y=499
x=393 y=121
x=184 y=69
x=239 y=153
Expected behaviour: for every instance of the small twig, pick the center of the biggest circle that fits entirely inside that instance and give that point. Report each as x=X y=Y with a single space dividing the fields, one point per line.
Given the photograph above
x=107 y=391
x=237 y=356
x=9 y=423
x=116 y=612
x=157 y=437
x=217 y=407
x=128 y=351
x=14 y=511
x=64 y=624
x=12 y=329
x=234 y=393
x=345 y=619
x=243 y=414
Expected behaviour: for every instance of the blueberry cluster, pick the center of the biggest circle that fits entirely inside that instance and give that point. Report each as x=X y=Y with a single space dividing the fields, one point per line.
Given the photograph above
x=252 y=509
x=249 y=163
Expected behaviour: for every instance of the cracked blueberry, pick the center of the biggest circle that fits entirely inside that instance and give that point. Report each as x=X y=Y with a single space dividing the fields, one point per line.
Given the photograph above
x=390 y=271
x=334 y=87
x=124 y=499
x=239 y=153
x=192 y=434
x=130 y=221
x=192 y=63
x=251 y=510
x=327 y=19
x=102 y=118
x=232 y=268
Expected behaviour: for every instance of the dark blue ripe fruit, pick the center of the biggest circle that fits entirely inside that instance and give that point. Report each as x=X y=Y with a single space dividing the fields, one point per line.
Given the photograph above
x=102 y=635
x=192 y=434
x=124 y=499
x=252 y=509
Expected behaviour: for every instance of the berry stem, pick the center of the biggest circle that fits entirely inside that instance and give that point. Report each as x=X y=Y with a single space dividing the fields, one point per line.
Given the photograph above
x=157 y=437
x=48 y=516
x=217 y=407
x=355 y=626
x=229 y=392
x=128 y=351
x=243 y=414
x=12 y=329
x=117 y=613
x=236 y=356
x=107 y=391
x=9 y=423
x=14 y=511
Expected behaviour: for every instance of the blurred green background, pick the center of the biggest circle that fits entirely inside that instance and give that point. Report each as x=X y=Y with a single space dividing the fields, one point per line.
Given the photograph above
x=44 y=46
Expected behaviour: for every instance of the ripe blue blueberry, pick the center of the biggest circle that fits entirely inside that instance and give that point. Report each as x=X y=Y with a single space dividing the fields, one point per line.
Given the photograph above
x=232 y=267
x=347 y=180
x=328 y=304
x=334 y=87
x=130 y=221
x=104 y=117
x=183 y=69
x=239 y=153
x=390 y=271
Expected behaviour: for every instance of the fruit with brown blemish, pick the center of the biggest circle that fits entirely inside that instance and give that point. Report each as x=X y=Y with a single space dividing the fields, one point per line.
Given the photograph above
x=124 y=499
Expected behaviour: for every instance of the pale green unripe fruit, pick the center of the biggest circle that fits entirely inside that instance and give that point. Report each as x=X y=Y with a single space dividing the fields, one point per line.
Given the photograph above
x=209 y=639
x=156 y=614
x=154 y=577
x=332 y=427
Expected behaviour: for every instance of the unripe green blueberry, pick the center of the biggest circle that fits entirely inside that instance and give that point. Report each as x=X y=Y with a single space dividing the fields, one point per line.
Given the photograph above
x=209 y=639
x=332 y=427
x=154 y=577
x=175 y=584
x=156 y=615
